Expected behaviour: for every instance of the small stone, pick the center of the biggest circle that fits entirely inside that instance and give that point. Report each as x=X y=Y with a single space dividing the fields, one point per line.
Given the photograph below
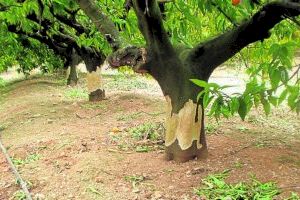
x=171 y=187
x=156 y=195
x=39 y=196
x=36 y=115
x=136 y=190
x=197 y=170
x=50 y=121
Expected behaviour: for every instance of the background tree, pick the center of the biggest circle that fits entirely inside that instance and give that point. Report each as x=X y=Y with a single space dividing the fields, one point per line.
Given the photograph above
x=63 y=29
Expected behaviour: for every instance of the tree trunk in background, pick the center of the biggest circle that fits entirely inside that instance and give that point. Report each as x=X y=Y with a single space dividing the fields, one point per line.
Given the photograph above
x=72 y=75
x=74 y=60
x=93 y=62
x=95 y=85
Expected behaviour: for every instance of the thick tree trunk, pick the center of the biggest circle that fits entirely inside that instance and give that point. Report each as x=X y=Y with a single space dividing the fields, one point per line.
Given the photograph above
x=185 y=133
x=185 y=136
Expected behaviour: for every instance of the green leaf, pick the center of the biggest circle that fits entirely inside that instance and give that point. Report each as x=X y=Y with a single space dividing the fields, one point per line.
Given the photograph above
x=291 y=101
x=282 y=96
x=242 y=108
x=267 y=107
x=273 y=100
x=275 y=77
x=234 y=105
x=207 y=99
x=298 y=107
x=200 y=83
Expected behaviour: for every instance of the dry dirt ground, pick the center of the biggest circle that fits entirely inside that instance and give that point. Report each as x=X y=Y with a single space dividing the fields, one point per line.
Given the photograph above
x=68 y=148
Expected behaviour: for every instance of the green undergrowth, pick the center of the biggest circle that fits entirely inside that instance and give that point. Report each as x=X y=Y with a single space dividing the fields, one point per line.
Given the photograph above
x=142 y=138
x=76 y=93
x=3 y=83
x=93 y=106
x=214 y=187
x=29 y=159
x=126 y=82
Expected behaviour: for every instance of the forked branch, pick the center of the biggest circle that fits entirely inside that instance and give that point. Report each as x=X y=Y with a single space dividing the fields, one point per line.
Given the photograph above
x=255 y=29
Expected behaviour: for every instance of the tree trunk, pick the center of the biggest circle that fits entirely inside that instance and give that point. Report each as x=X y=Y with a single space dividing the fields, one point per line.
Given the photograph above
x=185 y=136
x=185 y=133
x=73 y=61
x=72 y=75
x=94 y=84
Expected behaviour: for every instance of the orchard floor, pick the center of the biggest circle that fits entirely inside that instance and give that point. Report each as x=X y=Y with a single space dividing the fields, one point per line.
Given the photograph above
x=68 y=148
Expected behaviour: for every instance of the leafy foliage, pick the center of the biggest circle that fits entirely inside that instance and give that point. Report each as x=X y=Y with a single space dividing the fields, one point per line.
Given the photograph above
x=215 y=187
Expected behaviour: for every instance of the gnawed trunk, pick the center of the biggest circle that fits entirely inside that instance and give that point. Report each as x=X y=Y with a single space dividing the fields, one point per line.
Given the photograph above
x=95 y=86
x=185 y=138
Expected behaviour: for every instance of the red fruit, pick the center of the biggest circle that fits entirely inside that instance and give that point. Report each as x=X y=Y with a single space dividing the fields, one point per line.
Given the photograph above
x=235 y=2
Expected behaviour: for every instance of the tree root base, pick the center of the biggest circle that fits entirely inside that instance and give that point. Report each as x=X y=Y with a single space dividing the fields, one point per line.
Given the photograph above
x=97 y=95
x=174 y=152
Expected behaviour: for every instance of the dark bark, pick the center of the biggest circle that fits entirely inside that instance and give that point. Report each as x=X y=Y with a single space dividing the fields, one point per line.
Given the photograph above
x=97 y=95
x=72 y=78
x=74 y=61
x=70 y=21
x=208 y=56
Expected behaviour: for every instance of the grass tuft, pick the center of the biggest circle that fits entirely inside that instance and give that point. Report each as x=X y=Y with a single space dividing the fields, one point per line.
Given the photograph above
x=76 y=93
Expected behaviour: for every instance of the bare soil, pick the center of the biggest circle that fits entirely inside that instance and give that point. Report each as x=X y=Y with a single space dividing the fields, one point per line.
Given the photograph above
x=68 y=148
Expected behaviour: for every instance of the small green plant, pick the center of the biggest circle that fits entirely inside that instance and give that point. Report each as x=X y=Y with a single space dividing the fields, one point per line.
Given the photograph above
x=29 y=159
x=216 y=188
x=142 y=149
x=76 y=93
x=135 y=179
x=19 y=195
x=126 y=82
x=238 y=164
x=93 y=190
x=211 y=128
x=144 y=131
x=129 y=117
x=293 y=196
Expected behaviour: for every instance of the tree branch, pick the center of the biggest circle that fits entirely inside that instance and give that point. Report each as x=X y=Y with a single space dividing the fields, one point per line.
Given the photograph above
x=102 y=22
x=69 y=22
x=224 y=13
x=208 y=56
x=151 y=25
